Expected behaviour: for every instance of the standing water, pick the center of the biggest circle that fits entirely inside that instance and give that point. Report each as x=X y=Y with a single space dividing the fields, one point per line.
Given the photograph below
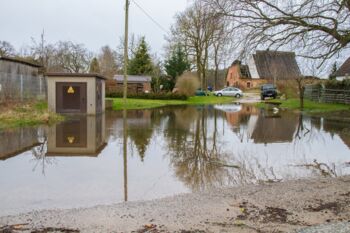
x=171 y=150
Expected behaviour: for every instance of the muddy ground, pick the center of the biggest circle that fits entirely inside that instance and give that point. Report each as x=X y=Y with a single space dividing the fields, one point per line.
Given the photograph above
x=270 y=207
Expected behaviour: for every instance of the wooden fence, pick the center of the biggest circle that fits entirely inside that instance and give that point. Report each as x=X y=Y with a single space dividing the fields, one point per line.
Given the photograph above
x=320 y=94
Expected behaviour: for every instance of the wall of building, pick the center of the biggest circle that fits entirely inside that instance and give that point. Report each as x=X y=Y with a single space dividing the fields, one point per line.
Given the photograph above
x=91 y=92
x=113 y=86
x=20 y=82
x=234 y=79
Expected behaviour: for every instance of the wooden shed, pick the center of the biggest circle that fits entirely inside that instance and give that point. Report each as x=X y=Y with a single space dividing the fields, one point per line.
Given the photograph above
x=76 y=93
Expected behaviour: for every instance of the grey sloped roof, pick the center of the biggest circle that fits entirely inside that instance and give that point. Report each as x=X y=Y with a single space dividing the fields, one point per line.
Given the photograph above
x=281 y=65
x=134 y=78
x=344 y=70
x=20 y=60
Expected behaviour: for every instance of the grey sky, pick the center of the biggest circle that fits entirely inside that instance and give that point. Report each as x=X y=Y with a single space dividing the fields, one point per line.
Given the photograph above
x=92 y=22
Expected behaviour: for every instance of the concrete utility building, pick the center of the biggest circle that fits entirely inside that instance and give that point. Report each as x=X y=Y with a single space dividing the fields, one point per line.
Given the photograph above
x=76 y=93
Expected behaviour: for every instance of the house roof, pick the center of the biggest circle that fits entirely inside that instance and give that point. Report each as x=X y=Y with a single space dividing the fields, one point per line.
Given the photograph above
x=21 y=61
x=76 y=75
x=281 y=65
x=134 y=78
x=344 y=70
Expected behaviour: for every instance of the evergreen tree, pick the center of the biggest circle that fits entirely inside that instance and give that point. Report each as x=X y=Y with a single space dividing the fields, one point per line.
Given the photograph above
x=94 y=66
x=141 y=63
x=333 y=71
x=175 y=66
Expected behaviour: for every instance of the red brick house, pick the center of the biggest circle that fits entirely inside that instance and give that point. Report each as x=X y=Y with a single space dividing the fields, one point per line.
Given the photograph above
x=263 y=67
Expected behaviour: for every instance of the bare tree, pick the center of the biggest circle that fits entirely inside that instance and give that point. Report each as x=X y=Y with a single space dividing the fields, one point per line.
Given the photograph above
x=6 y=49
x=108 y=62
x=195 y=29
x=71 y=57
x=319 y=29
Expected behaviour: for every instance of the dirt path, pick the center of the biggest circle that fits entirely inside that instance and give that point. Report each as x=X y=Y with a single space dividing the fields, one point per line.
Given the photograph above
x=250 y=97
x=277 y=207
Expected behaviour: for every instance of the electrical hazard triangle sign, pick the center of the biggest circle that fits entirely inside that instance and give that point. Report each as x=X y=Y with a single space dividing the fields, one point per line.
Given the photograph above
x=70 y=90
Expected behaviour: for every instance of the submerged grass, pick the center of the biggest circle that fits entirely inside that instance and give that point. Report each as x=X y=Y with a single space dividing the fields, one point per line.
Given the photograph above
x=18 y=114
x=309 y=106
x=143 y=103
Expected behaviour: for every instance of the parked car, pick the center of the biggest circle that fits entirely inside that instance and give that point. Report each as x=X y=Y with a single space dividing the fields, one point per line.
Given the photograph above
x=229 y=91
x=268 y=90
x=200 y=92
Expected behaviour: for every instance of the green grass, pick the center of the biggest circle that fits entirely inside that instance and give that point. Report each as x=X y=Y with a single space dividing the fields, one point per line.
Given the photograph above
x=309 y=106
x=144 y=103
x=28 y=114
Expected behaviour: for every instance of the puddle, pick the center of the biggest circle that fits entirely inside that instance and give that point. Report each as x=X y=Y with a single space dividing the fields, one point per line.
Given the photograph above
x=171 y=150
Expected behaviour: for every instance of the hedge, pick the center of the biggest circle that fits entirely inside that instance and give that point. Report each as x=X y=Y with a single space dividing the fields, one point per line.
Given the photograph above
x=341 y=85
x=153 y=96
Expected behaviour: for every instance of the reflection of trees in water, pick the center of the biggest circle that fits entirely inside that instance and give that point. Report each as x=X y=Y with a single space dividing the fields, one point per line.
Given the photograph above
x=39 y=153
x=251 y=170
x=194 y=154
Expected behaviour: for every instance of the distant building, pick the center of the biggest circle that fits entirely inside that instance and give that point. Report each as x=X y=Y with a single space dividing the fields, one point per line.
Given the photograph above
x=136 y=84
x=263 y=67
x=21 y=80
x=344 y=71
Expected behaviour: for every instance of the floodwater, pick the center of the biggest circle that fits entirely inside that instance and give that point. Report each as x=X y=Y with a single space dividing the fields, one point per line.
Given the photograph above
x=172 y=150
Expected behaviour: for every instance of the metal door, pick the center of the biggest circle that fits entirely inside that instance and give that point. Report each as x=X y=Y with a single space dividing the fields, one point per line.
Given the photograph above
x=71 y=97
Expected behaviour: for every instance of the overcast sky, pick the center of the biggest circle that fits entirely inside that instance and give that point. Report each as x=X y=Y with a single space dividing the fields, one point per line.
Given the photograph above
x=92 y=22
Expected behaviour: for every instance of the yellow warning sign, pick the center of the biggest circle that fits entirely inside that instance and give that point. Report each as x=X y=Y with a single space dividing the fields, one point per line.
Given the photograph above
x=71 y=140
x=70 y=90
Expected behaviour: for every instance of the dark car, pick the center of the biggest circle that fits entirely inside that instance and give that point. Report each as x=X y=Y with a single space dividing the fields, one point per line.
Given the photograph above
x=268 y=90
x=200 y=92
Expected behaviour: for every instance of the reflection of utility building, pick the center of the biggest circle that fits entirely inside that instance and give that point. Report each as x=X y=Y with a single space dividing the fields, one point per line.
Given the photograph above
x=82 y=136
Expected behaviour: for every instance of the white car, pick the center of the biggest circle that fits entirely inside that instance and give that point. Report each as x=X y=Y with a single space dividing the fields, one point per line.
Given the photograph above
x=229 y=91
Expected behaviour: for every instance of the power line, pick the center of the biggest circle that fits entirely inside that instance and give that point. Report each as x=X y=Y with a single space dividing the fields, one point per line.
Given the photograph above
x=150 y=17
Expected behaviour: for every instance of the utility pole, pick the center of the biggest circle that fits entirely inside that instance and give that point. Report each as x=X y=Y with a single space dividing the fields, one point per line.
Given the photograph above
x=126 y=42
x=125 y=93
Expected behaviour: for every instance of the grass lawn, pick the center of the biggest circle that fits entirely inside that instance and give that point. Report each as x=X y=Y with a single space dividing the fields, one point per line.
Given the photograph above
x=309 y=106
x=28 y=114
x=145 y=103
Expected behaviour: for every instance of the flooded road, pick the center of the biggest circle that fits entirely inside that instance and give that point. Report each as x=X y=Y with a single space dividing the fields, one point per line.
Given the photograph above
x=172 y=150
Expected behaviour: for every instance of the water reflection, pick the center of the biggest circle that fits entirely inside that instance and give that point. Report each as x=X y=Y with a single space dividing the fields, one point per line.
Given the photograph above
x=79 y=136
x=146 y=154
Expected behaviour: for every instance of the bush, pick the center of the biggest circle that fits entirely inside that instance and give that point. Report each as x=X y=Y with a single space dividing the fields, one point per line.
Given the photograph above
x=154 y=96
x=187 y=84
x=334 y=84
